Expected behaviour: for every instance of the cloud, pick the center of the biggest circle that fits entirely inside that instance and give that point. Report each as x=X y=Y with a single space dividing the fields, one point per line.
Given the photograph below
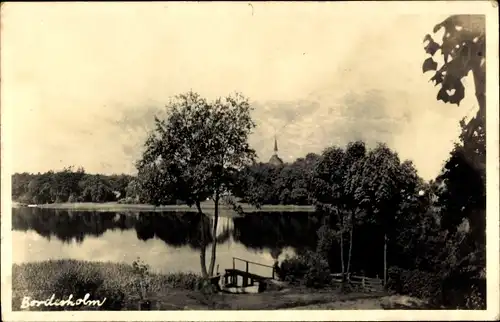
x=83 y=81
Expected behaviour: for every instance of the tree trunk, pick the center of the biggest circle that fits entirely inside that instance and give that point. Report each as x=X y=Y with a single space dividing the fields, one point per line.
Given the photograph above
x=203 y=251
x=214 y=234
x=385 y=259
x=342 y=253
x=203 y=242
x=342 y=249
x=340 y=221
x=350 y=251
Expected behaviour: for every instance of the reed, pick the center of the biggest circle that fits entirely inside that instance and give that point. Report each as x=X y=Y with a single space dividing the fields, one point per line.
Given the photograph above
x=114 y=281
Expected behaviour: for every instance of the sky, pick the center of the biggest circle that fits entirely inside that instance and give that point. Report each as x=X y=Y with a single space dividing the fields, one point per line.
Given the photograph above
x=82 y=81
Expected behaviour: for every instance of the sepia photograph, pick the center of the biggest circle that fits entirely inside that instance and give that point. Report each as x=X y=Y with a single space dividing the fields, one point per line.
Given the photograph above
x=249 y=160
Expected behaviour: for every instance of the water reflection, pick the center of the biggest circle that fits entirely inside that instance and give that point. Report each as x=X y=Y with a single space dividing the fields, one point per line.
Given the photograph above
x=121 y=237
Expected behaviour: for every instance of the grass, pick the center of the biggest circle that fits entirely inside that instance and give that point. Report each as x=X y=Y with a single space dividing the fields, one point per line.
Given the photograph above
x=115 y=281
x=177 y=291
x=207 y=206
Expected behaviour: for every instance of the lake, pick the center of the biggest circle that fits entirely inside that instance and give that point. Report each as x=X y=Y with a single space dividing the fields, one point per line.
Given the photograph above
x=167 y=241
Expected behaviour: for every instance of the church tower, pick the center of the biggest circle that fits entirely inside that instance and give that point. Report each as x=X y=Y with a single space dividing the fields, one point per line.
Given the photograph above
x=275 y=159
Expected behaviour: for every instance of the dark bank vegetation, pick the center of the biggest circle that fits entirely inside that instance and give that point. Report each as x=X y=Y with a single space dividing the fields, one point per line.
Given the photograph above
x=68 y=185
x=375 y=215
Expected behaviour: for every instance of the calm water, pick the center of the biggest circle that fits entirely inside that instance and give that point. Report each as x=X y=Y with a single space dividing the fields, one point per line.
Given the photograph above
x=169 y=241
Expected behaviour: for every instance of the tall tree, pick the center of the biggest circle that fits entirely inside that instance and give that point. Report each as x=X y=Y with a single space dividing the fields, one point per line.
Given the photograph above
x=327 y=193
x=335 y=190
x=355 y=197
x=387 y=183
x=198 y=148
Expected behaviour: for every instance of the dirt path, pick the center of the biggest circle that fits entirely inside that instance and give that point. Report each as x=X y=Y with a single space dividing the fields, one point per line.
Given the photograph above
x=380 y=303
x=272 y=300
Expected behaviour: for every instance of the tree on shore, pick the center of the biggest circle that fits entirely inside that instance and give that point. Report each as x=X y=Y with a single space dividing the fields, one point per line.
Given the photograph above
x=388 y=185
x=462 y=194
x=196 y=152
x=335 y=190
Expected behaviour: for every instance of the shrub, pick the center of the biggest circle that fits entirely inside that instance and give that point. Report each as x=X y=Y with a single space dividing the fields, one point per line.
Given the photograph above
x=308 y=269
x=454 y=292
x=394 y=283
x=293 y=269
x=326 y=241
x=477 y=298
x=142 y=282
x=115 y=298
x=318 y=274
x=420 y=284
x=206 y=287
x=464 y=292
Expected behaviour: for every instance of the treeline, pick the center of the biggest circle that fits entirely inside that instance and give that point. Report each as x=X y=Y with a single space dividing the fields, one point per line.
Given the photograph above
x=427 y=239
x=68 y=185
x=288 y=184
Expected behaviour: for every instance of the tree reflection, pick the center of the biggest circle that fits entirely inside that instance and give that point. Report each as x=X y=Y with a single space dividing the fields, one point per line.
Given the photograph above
x=272 y=231
x=277 y=230
x=64 y=225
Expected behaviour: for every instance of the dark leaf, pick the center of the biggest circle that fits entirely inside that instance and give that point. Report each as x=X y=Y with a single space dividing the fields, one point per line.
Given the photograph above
x=432 y=47
x=437 y=27
x=450 y=82
x=458 y=95
x=437 y=78
x=443 y=95
x=429 y=64
x=428 y=38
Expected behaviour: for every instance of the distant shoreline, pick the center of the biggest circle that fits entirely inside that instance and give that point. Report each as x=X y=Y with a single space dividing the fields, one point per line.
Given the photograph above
x=206 y=206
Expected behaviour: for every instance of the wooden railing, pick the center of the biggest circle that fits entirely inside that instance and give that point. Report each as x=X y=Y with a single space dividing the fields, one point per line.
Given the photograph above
x=250 y=262
x=365 y=282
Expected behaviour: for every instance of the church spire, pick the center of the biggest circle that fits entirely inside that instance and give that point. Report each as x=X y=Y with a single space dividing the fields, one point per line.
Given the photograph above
x=275 y=159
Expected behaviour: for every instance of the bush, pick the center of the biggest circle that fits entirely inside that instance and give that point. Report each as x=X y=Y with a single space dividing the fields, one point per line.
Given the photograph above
x=293 y=269
x=318 y=274
x=420 y=284
x=142 y=282
x=308 y=269
x=464 y=292
x=327 y=238
x=453 y=292
x=394 y=284
x=477 y=298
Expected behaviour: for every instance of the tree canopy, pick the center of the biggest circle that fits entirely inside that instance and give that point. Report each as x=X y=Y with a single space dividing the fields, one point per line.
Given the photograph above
x=196 y=152
x=199 y=147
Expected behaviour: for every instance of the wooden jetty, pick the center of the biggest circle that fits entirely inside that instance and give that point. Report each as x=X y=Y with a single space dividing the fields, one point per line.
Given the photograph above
x=251 y=282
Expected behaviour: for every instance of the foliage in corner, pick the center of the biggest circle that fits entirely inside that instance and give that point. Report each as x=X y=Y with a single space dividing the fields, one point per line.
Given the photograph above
x=463 y=50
